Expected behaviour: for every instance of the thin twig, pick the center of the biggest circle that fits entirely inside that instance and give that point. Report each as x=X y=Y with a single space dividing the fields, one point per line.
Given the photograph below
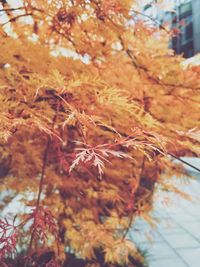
x=40 y=186
x=11 y=9
x=169 y=154
x=184 y=162
x=45 y=157
x=133 y=211
x=17 y=17
x=155 y=21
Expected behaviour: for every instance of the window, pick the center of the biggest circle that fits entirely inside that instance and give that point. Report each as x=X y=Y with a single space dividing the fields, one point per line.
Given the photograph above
x=185 y=10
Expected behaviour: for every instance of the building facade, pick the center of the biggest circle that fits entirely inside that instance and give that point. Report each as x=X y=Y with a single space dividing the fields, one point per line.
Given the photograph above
x=185 y=20
x=196 y=24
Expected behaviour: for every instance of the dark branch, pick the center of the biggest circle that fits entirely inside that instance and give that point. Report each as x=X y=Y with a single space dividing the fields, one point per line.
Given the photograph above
x=184 y=162
x=41 y=185
x=169 y=154
x=17 y=17
x=11 y=9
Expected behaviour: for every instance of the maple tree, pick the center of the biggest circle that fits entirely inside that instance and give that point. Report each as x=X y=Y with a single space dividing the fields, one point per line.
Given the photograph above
x=92 y=103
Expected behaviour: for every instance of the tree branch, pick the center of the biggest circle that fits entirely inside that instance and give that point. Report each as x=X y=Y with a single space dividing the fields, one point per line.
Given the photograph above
x=184 y=162
x=155 y=21
x=11 y=9
x=45 y=157
x=169 y=154
x=40 y=186
x=17 y=17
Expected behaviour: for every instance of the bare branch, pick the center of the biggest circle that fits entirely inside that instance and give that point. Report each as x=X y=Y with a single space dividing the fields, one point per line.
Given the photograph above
x=184 y=162
x=11 y=9
x=17 y=17
x=155 y=21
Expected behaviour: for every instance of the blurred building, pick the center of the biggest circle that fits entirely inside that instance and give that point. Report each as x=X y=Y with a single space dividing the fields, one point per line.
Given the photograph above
x=185 y=21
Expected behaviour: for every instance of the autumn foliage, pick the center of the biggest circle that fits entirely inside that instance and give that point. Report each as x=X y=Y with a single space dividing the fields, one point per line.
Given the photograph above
x=92 y=104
